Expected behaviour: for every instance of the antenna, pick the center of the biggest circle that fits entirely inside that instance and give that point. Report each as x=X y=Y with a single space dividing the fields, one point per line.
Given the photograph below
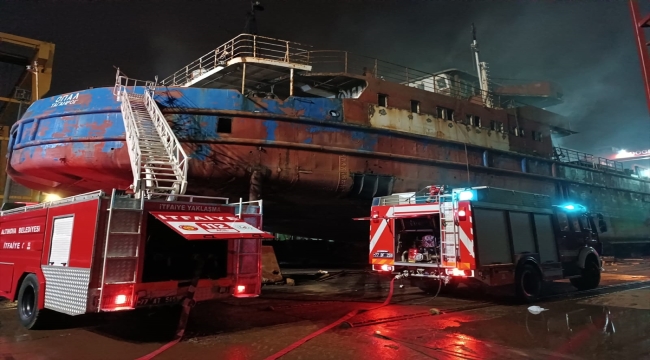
x=251 y=21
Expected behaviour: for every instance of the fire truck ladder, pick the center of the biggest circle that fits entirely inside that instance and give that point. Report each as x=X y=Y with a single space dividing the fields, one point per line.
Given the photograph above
x=448 y=234
x=122 y=245
x=158 y=161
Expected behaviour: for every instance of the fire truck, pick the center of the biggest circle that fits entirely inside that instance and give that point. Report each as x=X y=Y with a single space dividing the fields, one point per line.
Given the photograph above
x=100 y=252
x=485 y=237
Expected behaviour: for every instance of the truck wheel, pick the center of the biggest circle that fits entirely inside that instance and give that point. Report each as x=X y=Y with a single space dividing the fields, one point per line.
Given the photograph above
x=28 y=312
x=590 y=277
x=528 y=283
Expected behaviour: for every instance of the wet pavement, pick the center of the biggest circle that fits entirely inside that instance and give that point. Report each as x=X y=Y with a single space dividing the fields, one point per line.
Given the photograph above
x=613 y=322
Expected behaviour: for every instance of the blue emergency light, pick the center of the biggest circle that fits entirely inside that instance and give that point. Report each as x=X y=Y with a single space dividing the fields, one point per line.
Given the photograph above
x=573 y=207
x=465 y=195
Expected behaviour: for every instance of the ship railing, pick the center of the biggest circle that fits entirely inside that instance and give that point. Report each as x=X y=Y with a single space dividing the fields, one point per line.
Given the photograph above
x=329 y=61
x=243 y=45
x=174 y=149
x=587 y=160
x=124 y=84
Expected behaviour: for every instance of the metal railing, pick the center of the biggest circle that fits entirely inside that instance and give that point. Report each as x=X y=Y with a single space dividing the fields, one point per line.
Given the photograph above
x=244 y=45
x=45 y=205
x=346 y=62
x=169 y=140
x=130 y=129
x=586 y=160
x=248 y=207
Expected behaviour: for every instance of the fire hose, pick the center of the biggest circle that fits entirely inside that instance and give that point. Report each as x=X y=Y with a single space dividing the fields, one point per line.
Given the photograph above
x=188 y=304
x=347 y=316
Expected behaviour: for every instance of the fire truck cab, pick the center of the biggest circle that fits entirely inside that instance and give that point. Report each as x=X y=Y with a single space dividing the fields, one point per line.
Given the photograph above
x=99 y=252
x=485 y=236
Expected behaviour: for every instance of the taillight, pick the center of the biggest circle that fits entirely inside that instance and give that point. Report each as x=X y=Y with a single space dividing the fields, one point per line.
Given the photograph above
x=120 y=299
x=117 y=297
x=386 y=268
x=459 y=272
x=462 y=215
x=247 y=290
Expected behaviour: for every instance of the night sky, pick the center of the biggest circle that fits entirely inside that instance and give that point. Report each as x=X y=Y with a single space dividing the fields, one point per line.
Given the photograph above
x=585 y=46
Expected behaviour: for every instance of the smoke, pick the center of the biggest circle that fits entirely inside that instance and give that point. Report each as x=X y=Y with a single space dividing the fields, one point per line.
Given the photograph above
x=587 y=46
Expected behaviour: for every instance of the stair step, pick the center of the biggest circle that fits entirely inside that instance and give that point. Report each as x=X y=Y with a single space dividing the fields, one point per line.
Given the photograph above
x=172 y=181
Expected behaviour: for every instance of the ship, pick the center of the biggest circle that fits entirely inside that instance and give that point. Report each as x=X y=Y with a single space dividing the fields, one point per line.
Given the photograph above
x=318 y=133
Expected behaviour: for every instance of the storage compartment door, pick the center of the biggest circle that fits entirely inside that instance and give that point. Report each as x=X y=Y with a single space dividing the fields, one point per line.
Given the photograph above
x=61 y=240
x=546 y=238
x=492 y=237
x=209 y=226
x=521 y=228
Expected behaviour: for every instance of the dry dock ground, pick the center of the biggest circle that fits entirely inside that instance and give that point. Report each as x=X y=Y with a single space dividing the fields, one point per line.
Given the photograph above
x=612 y=322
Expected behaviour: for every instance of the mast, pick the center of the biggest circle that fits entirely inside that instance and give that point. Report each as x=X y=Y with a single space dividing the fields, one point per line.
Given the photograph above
x=481 y=71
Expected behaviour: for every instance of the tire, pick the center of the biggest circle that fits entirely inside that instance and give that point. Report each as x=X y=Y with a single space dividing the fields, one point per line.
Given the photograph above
x=29 y=314
x=590 y=277
x=529 y=283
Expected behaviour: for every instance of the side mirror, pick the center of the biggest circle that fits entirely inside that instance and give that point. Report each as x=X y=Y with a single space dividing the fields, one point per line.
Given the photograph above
x=602 y=225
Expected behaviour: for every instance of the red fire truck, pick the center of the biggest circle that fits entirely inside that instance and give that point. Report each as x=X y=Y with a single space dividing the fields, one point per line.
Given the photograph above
x=484 y=236
x=100 y=252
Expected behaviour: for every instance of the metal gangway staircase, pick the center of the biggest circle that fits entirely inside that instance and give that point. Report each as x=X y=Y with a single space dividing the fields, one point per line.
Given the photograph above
x=158 y=161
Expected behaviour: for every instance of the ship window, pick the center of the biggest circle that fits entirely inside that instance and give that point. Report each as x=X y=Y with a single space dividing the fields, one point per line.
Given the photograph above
x=537 y=135
x=444 y=113
x=474 y=120
x=415 y=106
x=382 y=100
x=493 y=125
x=224 y=125
x=441 y=82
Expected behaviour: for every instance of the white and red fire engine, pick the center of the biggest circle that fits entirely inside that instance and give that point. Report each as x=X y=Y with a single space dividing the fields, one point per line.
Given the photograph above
x=486 y=237
x=107 y=252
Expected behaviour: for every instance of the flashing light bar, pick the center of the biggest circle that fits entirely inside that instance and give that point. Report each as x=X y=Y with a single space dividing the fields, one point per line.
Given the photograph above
x=573 y=207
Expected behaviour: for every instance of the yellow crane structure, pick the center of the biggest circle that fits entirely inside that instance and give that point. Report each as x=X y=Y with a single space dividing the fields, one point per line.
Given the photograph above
x=25 y=76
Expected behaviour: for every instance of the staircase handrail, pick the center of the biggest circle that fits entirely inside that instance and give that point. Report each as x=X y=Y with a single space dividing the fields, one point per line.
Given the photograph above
x=168 y=138
x=132 y=143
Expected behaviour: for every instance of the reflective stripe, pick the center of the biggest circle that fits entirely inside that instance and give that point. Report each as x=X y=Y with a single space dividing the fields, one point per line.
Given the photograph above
x=380 y=229
x=467 y=243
